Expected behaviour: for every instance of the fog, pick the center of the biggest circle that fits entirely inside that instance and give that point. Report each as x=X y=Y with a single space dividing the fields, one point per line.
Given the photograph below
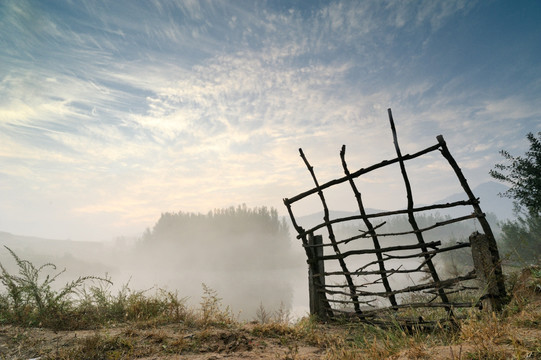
x=246 y=255
x=249 y=256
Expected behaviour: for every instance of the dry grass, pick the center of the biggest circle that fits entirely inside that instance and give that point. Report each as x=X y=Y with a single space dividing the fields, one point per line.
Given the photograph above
x=158 y=324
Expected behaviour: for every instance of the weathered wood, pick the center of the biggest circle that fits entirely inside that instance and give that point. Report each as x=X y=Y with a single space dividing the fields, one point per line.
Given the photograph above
x=369 y=226
x=481 y=217
x=330 y=229
x=319 y=304
x=442 y=284
x=385 y=294
x=486 y=265
x=336 y=249
x=411 y=217
x=385 y=213
x=430 y=252
x=436 y=225
x=424 y=247
x=300 y=230
x=357 y=174
x=370 y=312
x=358 y=302
x=386 y=272
x=377 y=271
x=431 y=227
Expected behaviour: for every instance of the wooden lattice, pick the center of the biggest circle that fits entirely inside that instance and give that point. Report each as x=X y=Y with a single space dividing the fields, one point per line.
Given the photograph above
x=350 y=295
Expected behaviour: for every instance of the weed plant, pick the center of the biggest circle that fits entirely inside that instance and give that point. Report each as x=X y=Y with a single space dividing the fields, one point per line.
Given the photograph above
x=212 y=313
x=98 y=306
x=31 y=300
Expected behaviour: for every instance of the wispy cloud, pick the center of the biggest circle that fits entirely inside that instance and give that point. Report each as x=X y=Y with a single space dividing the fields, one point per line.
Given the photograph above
x=129 y=109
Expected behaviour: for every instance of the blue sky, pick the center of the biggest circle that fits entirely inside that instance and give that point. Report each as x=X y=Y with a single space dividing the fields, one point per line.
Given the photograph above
x=112 y=112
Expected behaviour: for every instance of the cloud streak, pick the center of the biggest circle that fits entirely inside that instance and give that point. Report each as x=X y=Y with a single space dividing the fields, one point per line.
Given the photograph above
x=130 y=109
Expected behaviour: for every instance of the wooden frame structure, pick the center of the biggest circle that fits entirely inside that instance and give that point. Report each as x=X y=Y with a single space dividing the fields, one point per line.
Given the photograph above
x=353 y=298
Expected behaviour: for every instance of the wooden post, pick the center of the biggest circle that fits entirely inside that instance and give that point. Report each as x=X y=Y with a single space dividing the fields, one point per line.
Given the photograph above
x=487 y=246
x=488 y=271
x=411 y=216
x=316 y=279
x=332 y=238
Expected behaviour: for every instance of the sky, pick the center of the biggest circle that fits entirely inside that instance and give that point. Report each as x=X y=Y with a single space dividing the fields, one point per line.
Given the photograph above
x=112 y=112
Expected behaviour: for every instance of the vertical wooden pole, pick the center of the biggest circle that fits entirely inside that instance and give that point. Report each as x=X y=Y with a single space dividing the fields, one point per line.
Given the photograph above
x=485 y=246
x=411 y=217
x=370 y=229
x=332 y=238
x=316 y=279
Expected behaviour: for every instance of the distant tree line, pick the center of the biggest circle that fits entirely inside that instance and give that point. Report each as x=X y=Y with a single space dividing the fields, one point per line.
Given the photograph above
x=235 y=237
x=230 y=221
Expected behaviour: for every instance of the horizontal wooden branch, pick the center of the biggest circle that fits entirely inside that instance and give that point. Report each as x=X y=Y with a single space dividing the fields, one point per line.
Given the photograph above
x=369 y=313
x=421 y=254
x=432 y=244
x=360 y=293
x=367 y=273
x=443 y=284
x=430 y=252
x=359 y=173
x=431 y=227
x=385 y=213
x=361 y=302
x=428 y=305
x=370 y=232
x=387 y=272
x=392 y=320
x=462 y=288
x=362 y=235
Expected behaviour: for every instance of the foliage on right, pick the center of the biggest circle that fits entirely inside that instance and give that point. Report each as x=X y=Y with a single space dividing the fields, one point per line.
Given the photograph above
x=523 y=236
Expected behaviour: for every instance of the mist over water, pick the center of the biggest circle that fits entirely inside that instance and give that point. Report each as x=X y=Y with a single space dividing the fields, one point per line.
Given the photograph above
x=249 y=256
x=245 y=254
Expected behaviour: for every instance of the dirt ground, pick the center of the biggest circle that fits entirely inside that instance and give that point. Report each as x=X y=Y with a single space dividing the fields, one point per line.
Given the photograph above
x=173 y=342
x=163 y=342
